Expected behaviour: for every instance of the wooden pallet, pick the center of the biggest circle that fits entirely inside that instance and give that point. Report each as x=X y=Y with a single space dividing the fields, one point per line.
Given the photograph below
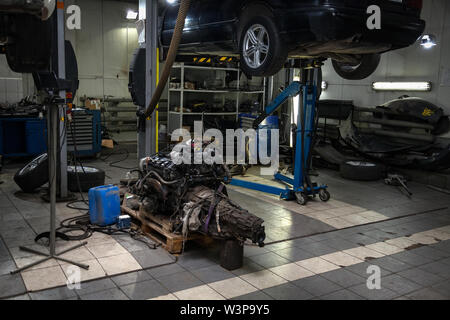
x=159 y=229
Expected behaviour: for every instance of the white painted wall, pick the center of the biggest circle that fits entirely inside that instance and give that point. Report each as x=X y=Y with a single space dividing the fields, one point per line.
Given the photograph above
x=11 y=89
x=409 y=64
x=104 y=47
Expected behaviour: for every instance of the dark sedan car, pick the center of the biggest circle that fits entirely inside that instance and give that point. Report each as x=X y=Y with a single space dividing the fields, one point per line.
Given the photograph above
x=264 y=33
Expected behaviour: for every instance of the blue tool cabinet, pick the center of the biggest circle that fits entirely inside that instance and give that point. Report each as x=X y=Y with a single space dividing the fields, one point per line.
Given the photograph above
x=27 y=137
x=22 y=137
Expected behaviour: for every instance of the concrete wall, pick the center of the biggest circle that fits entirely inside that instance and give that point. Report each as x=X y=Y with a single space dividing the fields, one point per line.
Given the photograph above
x=409 y=64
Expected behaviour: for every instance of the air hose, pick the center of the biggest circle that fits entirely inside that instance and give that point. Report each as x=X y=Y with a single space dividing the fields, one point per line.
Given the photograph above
x=171 y=55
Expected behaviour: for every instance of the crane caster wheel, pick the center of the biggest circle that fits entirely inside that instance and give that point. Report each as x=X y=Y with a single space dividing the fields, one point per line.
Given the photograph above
x=302 y=199
x=324 y=195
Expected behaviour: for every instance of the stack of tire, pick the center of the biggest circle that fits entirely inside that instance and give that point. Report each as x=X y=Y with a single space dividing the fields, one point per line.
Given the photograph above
x=80 y=178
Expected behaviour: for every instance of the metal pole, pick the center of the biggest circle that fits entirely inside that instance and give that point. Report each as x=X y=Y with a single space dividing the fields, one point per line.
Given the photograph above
x=62 y=110
x=52 y=164
x=148 y=10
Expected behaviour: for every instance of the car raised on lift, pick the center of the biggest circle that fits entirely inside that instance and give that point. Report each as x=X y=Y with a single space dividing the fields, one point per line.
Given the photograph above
x=264 y=33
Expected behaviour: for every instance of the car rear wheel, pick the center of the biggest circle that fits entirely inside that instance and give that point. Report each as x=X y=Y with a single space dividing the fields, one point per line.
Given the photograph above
x=262 y=50
x=31 y=45
x=358 y=71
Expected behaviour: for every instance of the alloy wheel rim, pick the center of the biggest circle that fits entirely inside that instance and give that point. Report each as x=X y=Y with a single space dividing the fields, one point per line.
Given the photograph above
x=256 y=46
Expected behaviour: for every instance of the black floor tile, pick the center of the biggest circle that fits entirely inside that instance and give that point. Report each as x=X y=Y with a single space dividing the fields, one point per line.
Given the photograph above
x=288 y=291
x=109 y=294
x=426 y=294
x=269 y=260
x=152 y=258
x=399 y=284
x=390 y=264
x=95 y=286
x=317 y=285
x=430 y=253
x=421 y=277
x=11 y=285
x=411 y=258
x=343 y=294
x=254 y=296
x=374 y=294
x=129 y=278
x=165 y=270
x=180 y=281
x=437 y=268
x=344 y=278
x=212 y=274
x=443 y=288
x=318 y=249
x=61 y=293
x=294 y=254
x=144 y=290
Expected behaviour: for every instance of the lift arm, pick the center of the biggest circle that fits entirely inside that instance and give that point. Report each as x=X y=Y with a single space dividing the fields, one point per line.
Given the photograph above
x=291 y=91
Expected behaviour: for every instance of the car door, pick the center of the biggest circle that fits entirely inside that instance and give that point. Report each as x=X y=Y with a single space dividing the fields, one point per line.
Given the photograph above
x=190 y=31
x=216 y=21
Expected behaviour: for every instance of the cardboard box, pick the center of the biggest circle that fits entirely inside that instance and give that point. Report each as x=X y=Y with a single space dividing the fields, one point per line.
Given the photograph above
x=93 y=104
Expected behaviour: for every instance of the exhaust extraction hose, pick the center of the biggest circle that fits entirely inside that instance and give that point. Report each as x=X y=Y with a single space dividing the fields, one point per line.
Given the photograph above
x=171 y=55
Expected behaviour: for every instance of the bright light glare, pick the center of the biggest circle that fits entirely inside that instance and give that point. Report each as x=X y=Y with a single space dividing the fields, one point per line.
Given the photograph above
x=401 y=86
x=132 y=15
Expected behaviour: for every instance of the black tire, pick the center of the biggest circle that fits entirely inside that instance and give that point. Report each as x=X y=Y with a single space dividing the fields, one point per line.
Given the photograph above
x=369 y=63
x=324 y=195
x=361 y=171
x=257 y=14
x=31 y=45
x=33 y=175
x=89 y=178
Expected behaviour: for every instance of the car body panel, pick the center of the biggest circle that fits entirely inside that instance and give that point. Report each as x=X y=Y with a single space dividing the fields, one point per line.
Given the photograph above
x=309 y=28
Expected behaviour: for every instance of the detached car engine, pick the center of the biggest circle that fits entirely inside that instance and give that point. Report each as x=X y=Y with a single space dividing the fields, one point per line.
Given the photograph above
x=195 y=198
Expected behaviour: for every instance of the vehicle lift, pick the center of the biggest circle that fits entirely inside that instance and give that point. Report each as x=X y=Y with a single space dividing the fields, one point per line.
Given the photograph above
x=300 y=186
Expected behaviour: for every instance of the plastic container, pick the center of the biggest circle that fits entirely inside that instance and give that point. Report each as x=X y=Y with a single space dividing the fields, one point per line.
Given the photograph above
x=104 y=205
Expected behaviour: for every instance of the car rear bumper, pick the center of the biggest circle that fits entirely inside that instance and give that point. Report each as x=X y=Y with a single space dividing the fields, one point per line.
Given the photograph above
x=326 y=24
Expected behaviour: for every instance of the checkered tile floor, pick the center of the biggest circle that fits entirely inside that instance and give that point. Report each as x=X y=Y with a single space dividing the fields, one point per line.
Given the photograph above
x=335 y=243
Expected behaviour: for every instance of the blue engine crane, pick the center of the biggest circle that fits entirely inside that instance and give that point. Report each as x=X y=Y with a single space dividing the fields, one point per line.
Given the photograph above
x=300 y=187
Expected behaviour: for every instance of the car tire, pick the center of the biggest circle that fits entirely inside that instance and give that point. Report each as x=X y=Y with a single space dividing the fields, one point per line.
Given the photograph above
x=30 y=51
x=361 y=171
x=89 y=178
x=367 y=66
x=255 y=17
x=33 y=175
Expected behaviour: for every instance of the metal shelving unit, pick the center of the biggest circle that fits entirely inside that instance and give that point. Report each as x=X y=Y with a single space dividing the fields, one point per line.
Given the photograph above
x=177 y=117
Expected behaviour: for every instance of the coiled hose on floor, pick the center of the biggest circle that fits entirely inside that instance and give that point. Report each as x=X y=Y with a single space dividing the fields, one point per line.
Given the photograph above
x=171 y=55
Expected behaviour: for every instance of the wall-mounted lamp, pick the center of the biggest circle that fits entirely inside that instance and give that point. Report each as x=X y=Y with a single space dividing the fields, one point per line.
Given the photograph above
x=428 y=41
x=132 y=15
x=324 y=85
x=402 y=86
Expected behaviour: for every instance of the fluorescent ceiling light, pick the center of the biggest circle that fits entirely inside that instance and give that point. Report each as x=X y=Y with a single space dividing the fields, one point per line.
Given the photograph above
x=401 y=86
x=132 y=15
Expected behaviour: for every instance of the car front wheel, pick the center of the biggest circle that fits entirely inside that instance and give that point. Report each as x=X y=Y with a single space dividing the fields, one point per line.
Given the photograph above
x=358 y=71
x=262 y=50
